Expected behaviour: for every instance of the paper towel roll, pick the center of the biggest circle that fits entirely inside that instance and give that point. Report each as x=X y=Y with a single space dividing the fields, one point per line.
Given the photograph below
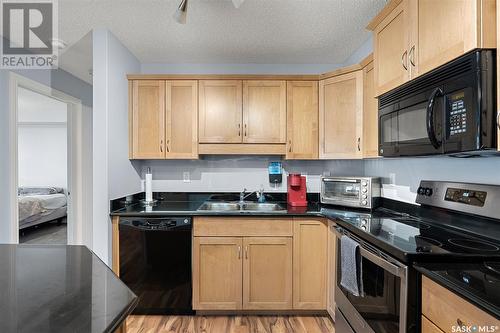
x=149 y=186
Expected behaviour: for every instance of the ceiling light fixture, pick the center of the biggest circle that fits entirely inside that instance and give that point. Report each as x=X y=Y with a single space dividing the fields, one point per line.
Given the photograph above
x=181 y=12
x=237 y=3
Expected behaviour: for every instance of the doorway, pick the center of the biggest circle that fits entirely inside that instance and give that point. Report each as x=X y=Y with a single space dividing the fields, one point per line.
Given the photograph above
x=47 y=162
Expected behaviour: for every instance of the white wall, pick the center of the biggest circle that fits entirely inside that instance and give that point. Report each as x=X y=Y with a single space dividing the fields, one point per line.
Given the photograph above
x=113 y=173
x=232 y=174
x=42 y=140
x=5 y=146
x=409 y=172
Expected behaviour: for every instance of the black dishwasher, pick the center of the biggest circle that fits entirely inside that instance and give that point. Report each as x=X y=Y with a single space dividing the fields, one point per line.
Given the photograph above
x=155 y=262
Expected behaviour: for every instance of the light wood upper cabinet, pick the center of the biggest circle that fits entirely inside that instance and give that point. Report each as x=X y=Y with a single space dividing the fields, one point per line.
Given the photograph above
x=390 y=49
x=302 y=120
x=370 y=113
x=310 y=243
x=220 y=111
x=413 y=37
x=217 y=273
x=267 y=273
x=148 y=119
x=341 y=116
x=182 y=119
x=444 y=30
x=264 y=111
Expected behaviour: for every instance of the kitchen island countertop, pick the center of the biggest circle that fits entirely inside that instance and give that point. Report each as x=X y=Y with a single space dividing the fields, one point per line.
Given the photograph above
x=59 y=289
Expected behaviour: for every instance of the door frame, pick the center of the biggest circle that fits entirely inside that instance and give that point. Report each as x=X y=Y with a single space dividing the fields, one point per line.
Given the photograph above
x=76 y=233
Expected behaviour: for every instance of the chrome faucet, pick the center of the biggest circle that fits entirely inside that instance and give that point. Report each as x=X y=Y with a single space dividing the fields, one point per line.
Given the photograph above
x=243 y=195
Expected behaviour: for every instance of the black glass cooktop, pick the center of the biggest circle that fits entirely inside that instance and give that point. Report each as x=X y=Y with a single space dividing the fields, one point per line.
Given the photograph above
x=414 y=236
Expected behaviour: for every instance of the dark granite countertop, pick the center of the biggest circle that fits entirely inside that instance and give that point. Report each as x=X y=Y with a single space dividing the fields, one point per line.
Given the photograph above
x=59 y=289
x=475 y=282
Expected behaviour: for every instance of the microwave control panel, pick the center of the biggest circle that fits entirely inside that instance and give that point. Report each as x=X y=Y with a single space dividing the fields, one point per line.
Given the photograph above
x=457 y=114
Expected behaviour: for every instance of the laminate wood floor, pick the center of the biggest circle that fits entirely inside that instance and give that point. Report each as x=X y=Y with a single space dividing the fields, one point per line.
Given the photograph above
x=230 y=324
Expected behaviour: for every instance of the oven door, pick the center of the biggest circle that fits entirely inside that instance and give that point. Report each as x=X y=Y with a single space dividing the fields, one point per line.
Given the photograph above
x=383 y=306
x=340 y=191
x=413 y=126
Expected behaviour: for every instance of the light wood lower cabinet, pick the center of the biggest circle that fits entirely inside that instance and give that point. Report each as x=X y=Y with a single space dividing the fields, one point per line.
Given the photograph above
x=217 y=273
x=267 y=273
x=446 y=309
x=310 y=243
x=332 y=268
x=429 y=327
x=259 y=264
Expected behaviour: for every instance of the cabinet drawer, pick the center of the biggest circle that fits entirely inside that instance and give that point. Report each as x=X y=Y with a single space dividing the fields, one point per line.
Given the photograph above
x=242 y=227
x=429 y=327
x=446 y=309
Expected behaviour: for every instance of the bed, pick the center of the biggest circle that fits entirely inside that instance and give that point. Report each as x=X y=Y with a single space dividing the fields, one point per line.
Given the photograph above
x=41 y=204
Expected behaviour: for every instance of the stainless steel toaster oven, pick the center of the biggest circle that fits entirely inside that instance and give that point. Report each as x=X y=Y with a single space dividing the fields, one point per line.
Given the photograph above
x=360 y=192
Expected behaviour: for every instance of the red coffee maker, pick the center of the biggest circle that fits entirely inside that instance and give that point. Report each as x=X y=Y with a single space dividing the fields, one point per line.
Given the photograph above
x=297 y=192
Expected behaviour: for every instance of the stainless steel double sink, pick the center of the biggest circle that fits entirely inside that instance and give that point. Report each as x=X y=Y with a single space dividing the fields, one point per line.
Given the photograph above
x=241 y=207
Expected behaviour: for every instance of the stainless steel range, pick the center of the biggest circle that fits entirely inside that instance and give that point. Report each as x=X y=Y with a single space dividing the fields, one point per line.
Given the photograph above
x=456 y=222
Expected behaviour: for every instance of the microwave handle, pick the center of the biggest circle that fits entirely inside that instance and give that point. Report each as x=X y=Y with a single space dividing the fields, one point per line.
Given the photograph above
x=340 y=180
x=430 y=117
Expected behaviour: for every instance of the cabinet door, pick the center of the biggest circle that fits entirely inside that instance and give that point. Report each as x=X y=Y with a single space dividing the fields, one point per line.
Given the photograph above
x=264 y=111
x=302 y=120
x=310 y=244
x=341 y=116
x=182 y=119
x=370 y=114
x=220 y=108
x=217 y=273
x=332 y=268
x=390 y=50
x=446 y=29
x=267 y=273
x=148 y=119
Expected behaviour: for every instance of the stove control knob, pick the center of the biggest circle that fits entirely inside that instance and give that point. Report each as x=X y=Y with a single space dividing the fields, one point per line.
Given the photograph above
x=421 y=190
x=364 y=196
x=364 y=190
x=363 y=221
x=364 y=183
x=363 y=227
x=428 y=192
x=364 y=202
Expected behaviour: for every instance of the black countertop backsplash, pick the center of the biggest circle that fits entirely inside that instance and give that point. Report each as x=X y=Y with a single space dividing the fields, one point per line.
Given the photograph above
x=59 y=289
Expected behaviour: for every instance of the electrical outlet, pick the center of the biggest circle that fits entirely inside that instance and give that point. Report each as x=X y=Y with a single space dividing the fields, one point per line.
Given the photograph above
x=186 y=177
x=392 y=178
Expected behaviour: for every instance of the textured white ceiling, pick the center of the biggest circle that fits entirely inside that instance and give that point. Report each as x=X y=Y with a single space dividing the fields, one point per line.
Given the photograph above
x=260 y=31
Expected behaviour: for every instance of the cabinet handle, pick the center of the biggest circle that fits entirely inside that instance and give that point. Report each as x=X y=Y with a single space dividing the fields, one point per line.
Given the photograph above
x=239 y=252
x=404 y=60
x=411 y=56
x=498 y=120
x=359 y=144
x=290 y=146
x=245 y=130
x=246 y=252
x=161 y=146
x=239 y=129
x=459 y=322
x=168 y=144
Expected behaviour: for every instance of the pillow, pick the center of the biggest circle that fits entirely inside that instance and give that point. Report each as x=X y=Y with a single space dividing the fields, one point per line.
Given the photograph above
x=39 y=190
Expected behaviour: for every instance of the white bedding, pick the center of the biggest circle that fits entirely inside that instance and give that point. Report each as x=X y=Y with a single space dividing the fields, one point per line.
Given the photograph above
x=31 y=205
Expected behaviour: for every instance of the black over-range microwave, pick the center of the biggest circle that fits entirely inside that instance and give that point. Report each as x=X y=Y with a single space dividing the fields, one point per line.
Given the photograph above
x=448 y=110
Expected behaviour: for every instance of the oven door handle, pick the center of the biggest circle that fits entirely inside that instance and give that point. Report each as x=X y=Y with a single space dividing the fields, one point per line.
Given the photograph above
x=430 y=117
x=379 y=261
x=340 y=180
